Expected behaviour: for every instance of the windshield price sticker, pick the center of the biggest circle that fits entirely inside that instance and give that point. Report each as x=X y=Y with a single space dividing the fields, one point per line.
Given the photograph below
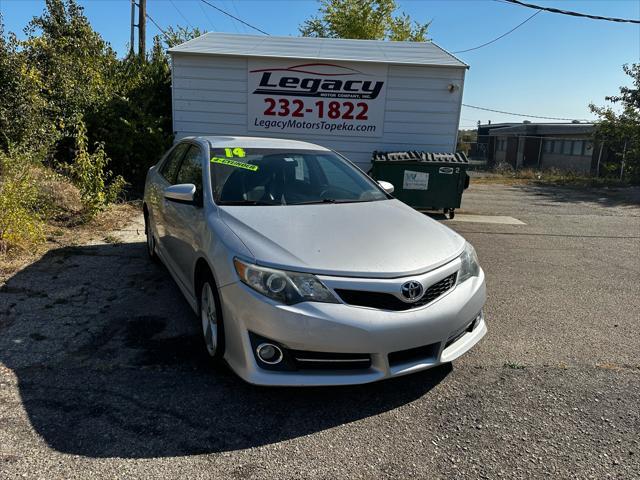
x=234 y=163
x=235 y=152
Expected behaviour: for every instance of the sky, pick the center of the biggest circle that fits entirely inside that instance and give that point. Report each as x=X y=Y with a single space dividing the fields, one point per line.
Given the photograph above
x=554 y=65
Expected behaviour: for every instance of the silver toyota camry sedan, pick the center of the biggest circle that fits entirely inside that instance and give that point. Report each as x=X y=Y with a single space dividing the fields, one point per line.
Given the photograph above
x=305 y=271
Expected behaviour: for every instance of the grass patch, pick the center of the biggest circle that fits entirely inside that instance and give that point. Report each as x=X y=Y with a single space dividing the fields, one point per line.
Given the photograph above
x=506 y=175
x=513 y=366
x=111 y=239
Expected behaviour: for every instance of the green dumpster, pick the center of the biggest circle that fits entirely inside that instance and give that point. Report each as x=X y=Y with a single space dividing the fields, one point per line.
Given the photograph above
x=424 y=180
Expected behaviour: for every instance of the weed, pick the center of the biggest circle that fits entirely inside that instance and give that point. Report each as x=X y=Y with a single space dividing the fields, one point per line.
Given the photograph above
x=111 y=239
x=98 y=187
x=513 y=365
x=505 y=173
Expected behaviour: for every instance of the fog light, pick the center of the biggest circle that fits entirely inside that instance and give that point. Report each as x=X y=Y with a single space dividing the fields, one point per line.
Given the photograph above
x=269 y=353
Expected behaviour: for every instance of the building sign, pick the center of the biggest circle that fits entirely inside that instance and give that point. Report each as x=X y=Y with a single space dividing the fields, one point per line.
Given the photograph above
x=415 y=180
x=329 y=98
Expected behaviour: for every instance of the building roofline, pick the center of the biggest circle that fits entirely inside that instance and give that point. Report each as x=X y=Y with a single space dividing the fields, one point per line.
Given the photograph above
x=545 y=129
x=380 y=51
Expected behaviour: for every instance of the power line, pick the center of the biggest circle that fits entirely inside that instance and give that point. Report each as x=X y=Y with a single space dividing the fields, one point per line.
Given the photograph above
x=157 y=26
x=207 y=15
x=235 y=9
x=234 y=17
x=574 y=14
x=153 y=21
x=181 y=14
x=501 y=36
x=523 y=114
x=234 y=24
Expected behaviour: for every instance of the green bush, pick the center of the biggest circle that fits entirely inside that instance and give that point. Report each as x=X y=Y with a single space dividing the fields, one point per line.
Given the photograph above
x=62 y=90
x=98 y=187
x=21 y=222
x=61 y=70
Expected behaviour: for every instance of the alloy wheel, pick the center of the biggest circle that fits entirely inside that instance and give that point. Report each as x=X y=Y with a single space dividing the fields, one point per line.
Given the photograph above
x=209 y=319
x=151 y=242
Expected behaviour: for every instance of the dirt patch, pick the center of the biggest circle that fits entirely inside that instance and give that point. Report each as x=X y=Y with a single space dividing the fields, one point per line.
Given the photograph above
x=546 y=177
x=70 y=229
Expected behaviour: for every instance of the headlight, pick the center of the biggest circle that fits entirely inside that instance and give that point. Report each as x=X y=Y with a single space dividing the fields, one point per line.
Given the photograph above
x=470 y=266
x=285 y=287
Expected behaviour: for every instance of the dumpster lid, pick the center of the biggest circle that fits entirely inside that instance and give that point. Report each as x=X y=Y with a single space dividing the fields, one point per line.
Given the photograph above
x=417 y=156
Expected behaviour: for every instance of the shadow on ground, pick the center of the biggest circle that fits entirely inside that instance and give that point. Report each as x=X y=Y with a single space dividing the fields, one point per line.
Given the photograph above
x=109 y=364
x=605 y=197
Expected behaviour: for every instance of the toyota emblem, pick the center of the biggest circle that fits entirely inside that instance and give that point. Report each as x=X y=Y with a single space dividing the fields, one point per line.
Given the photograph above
x=412 y=291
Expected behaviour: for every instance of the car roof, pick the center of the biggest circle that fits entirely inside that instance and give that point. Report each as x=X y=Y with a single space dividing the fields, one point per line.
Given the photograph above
x=257 y=142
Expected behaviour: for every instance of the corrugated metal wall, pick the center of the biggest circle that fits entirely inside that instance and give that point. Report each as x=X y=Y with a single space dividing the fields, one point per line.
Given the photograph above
x=210 y=98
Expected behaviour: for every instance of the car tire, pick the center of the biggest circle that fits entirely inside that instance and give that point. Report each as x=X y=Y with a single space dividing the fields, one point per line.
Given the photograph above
x=210 y=316
x=151 y=239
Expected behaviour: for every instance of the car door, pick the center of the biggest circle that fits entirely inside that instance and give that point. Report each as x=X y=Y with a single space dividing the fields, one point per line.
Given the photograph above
x=166 y=176
x=185 y=222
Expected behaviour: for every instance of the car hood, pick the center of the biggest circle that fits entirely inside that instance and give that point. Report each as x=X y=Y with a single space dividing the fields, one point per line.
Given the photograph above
x=382 y=239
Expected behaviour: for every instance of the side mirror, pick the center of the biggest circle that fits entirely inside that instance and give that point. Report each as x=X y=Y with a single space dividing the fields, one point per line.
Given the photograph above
x=386 y=186
x=182 y=193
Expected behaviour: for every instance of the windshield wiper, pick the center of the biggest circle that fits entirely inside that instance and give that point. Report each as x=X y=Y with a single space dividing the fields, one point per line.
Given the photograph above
x=311 y=202
x=245 y=202
x=332 y=200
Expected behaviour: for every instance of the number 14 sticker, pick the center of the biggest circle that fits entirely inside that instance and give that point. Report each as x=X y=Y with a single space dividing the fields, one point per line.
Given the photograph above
x=234 y=152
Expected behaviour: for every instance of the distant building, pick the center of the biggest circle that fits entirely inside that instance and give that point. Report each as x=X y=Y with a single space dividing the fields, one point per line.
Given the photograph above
x=566 y=146
x=484 y=146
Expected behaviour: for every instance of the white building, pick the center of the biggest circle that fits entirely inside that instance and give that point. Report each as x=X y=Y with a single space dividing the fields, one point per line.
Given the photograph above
x=354 y=96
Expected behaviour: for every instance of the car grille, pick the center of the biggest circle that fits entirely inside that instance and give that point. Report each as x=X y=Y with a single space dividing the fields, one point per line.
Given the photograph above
x=330 y=361
x=387 y=301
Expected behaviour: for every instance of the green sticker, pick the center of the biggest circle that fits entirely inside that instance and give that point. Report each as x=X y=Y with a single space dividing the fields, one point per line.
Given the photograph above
x=234 y=152
x=234 y=163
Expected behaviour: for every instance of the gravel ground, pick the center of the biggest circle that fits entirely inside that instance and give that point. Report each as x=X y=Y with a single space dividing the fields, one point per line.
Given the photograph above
x=101 y=374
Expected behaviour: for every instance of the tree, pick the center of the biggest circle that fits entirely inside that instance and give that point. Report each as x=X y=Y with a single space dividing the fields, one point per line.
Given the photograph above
x=64 y=74
x=176 y=36
x=135 y=123
x=465 y=139
x=620 y=132
x=364 y=19
x=74 y=64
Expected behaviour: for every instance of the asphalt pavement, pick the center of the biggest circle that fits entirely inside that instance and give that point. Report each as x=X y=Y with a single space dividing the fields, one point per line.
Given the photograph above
x=102 y=374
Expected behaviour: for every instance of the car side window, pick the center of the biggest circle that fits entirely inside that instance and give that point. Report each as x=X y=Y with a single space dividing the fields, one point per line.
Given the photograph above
x=169 y=168
x=190 y=171
x=191 y=168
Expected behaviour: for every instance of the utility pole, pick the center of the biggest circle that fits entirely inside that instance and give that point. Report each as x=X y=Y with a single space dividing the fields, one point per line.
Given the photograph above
x=142 y=28
x=624 y=154
x=133 y=25
x=599 y=159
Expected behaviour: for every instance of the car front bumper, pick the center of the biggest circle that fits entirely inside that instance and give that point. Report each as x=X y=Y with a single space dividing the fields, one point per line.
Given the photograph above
x=397 y=342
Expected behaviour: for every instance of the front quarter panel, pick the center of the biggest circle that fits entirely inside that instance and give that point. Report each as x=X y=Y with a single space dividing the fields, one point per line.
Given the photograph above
x=152 y=193
x=220 y=246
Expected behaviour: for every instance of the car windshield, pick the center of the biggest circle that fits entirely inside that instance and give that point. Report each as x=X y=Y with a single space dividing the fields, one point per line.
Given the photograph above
x=246 y=176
